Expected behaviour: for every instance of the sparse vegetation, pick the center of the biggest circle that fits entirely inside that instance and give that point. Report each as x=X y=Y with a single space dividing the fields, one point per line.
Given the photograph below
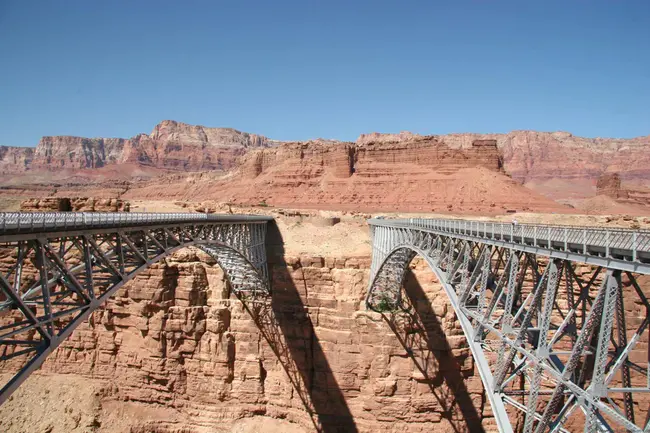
x=384 y=305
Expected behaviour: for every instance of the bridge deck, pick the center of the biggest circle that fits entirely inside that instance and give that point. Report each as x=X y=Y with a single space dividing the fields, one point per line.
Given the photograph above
x=14 y=223
x=614 y=248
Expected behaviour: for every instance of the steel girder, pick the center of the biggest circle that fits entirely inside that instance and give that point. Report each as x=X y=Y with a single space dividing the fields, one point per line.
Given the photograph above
x=51 y=281
x=559 y=345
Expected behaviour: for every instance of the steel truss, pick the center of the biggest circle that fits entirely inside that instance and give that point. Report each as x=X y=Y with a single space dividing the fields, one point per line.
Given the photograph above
x=559 y=345
x=52 y=277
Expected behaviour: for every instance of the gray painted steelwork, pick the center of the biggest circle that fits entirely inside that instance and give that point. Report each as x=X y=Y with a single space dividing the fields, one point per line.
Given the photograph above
x=546 y=312
x=64 y=265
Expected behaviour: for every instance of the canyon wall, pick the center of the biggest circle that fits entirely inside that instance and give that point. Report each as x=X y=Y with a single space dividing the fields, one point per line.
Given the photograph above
x=75 y=204
x=172 y=145
x=531 y=156
x=527 y=156
x=15 y=159
x=405 y=171
x=176 y=349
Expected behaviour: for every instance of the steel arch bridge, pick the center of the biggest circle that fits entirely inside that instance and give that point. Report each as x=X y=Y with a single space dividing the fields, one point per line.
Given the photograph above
x=57 y=268
x=556 y=317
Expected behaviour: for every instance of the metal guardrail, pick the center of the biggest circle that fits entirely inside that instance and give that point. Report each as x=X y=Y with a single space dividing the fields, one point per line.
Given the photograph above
x=630 y=245
x=38 y=222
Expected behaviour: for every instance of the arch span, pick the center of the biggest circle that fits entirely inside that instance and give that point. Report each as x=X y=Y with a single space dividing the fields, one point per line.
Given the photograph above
x=52 y=281
x=547 y=317
x=385 y=294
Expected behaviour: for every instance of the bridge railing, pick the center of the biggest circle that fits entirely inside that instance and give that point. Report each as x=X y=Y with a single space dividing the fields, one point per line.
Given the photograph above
x=21 y=222
x=628 y=244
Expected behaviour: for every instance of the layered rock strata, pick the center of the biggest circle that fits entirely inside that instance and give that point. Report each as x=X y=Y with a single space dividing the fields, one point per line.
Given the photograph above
x=610 y=186
x=15 y=159
x=171 y=145
x=528 y=156
x=531 y=156
x=175 y=339
x=423 y=174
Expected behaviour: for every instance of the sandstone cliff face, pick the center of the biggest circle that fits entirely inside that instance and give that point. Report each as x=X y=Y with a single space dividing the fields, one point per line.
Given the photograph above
x=298 y=160
x=53 y=153
x=530 y=156
x=527 y=156
x=610 y=185
x=425 y=151
x=15 y=159
x=179 y=146
x=171 y=145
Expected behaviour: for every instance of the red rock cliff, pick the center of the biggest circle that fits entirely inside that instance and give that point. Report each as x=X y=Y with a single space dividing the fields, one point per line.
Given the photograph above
x=537 y=156
x=421 y=174
x=171 y=145
x=15 y=159
x=61 y=152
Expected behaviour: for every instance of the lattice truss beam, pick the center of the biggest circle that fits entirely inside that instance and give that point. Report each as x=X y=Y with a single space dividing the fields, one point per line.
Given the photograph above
x=560 y=346
x=51 y=283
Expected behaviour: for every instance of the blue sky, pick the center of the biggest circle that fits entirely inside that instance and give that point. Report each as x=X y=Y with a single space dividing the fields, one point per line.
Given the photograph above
x=294 y=70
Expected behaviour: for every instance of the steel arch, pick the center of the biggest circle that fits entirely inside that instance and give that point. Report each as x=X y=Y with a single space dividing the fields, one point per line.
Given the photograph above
x=523 y=321
x=59 y=277
x=404 y=254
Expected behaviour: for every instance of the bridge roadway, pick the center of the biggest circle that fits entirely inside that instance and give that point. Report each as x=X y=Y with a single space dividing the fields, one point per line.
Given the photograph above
x=556 y=317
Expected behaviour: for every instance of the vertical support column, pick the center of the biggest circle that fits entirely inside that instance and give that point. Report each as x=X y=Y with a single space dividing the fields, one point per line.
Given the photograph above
x=450 y=258
x=88 y=268
x=19 y=266
x=465 y=277
x=598 y=386
x=622 y=346
x=506 y=320
x=42 y=268
x=120 y=252
x=590 y=323
x=500 y=374
x=481 y=306
x=542 y=351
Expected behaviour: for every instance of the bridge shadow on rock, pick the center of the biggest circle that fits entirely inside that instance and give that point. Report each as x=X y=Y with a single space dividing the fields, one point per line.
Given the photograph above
x=286 y=325
x=422 y=335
